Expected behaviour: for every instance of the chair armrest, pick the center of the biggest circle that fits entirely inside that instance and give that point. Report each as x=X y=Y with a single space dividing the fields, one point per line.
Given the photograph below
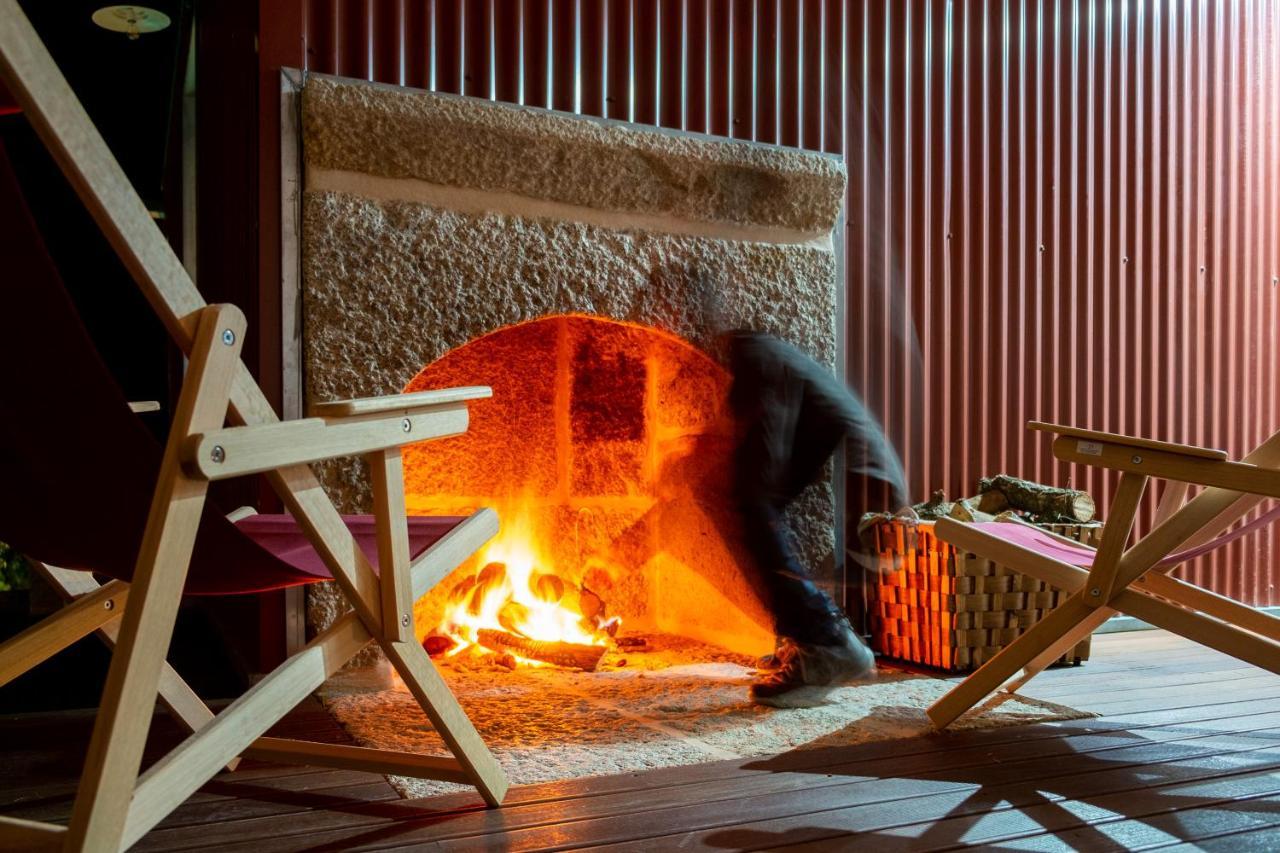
x=404 y=403
x=1162 y=460
x=1100 y=438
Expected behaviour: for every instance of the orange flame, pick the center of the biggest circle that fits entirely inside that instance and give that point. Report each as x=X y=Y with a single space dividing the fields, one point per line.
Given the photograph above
x=514 y=592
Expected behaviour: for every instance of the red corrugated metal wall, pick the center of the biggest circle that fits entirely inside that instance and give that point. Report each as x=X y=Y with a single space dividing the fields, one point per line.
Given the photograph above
x=1063 y=210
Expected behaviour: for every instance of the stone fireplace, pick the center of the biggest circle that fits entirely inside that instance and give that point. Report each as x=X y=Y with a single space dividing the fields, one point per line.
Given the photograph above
x=563 y=261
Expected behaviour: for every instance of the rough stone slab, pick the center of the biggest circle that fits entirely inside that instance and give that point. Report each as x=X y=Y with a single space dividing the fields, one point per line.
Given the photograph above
x=467 y=142
x=393 y=281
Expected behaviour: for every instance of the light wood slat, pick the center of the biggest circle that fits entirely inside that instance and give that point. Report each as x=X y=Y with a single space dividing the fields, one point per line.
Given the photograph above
x=1129 y=441
x=400 y=403
x=995 y=672
x=66 y=130
x=448 y=718
x=1175 y=495
x=344 y=757
x=1235 y=476
x=1199 y=520
x=386 y=475
x=1053 y=572
x=1203 y=629
x=53 y=634
x=259 y=448
x=442 y=557
x=57 y=116
x=1059 y=647
x=115 y=752
x=185 y=768
x=30 y=836
x=176 y=695
x=1100 y=584
x=306 y=500
x=1206 y=601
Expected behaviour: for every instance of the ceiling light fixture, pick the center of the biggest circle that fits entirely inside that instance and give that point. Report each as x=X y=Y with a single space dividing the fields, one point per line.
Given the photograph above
x=133 y=21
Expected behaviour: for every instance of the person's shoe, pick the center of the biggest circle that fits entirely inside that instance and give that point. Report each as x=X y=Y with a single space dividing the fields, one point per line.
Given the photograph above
x=774 y=660
x=809 y=673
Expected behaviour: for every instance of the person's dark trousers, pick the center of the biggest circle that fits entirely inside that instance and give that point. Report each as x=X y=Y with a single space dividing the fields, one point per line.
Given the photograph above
x=793 y=415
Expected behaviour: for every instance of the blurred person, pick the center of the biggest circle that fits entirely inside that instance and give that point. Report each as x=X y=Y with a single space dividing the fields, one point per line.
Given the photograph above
x=792 y=416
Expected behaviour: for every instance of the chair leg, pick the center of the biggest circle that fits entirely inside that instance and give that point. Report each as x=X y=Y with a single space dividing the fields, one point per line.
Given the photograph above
x=54 y=633
x=448 y=718
x=128 y=700
x=1011 y=658
x=1060 y=647
x=175 y=694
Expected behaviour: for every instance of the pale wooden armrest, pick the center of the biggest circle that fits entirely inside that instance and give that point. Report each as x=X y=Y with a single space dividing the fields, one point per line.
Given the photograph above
x=407 y=403
x=1129 y=441
x=144 y=406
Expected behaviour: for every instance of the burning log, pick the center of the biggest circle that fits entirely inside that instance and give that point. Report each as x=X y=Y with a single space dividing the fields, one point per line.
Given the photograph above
x=437 y=644
x=1048 y=501
x=513 y=615
x=569 y=655
x=546 y=586
x=490 y=578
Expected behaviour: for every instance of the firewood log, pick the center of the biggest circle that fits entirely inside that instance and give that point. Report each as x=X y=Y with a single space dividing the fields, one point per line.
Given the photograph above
x=936 y=507
x=569 y=655
x=967 y=510
x=1047 y=501
x=512 y=616
x=546 y=586
x=992 y=502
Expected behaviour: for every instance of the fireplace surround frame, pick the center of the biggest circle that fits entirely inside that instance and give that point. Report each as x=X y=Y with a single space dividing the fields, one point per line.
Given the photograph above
x=835 y=573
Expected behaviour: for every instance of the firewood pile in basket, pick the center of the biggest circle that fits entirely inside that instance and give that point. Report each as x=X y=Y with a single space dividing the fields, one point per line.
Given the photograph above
x=999 y=497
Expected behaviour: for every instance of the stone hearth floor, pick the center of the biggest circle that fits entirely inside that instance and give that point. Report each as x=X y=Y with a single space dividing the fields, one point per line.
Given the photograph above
x=678 y=704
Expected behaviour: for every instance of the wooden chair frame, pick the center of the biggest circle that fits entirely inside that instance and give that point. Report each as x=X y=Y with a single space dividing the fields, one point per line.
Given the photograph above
x=116 y=804
x=1128 y=580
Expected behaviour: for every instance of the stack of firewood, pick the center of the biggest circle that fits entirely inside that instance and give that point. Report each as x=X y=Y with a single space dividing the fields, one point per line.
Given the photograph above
x=941 y=607
x=998 y=496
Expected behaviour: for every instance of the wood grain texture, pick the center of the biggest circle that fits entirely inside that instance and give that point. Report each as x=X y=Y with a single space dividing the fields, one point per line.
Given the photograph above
x=1128 y=440
x=1186 y=751
x=400 y=403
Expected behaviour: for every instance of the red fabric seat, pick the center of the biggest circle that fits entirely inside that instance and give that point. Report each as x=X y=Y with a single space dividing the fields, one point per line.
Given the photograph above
x=1082 y=556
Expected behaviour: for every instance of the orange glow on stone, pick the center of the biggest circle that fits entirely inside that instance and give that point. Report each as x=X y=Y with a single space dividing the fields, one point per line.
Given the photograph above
x=606 y=449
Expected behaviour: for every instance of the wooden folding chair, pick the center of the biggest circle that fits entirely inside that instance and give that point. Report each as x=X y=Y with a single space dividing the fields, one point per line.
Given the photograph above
x=115 y=803
x=1132 y=580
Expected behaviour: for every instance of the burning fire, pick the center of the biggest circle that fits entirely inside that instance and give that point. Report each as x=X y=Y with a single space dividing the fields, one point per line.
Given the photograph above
x=515 y=605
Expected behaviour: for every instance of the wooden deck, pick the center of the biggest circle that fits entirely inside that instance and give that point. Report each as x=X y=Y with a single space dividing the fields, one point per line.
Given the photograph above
x=1185 y=754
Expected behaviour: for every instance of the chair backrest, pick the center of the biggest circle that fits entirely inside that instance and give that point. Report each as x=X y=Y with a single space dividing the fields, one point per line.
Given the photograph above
x=78 y=466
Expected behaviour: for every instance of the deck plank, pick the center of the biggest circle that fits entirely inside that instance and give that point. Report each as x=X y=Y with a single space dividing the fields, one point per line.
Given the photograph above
x=1187 y=750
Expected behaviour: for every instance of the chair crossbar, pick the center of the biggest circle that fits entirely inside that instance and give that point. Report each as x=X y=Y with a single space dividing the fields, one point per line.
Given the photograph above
x=77 y=620
x=185 y=768
x=346 y=757
x=1201 y=628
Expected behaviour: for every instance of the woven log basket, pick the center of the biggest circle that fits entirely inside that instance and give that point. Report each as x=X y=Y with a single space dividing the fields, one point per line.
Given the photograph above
x=943 y=608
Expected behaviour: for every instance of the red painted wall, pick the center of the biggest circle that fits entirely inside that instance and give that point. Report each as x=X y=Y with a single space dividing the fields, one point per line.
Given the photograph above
x=1057 y=210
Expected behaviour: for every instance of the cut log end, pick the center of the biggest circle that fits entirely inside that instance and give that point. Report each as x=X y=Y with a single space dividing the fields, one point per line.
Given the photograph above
x=1047 y=502
x=968 y=510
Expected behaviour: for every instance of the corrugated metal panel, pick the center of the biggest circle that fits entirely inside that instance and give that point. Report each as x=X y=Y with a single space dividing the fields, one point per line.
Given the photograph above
x=1076 y=204
x=1064 y=210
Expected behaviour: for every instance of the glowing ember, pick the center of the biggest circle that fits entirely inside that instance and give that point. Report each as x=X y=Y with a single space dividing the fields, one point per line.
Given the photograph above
x=513 y=605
